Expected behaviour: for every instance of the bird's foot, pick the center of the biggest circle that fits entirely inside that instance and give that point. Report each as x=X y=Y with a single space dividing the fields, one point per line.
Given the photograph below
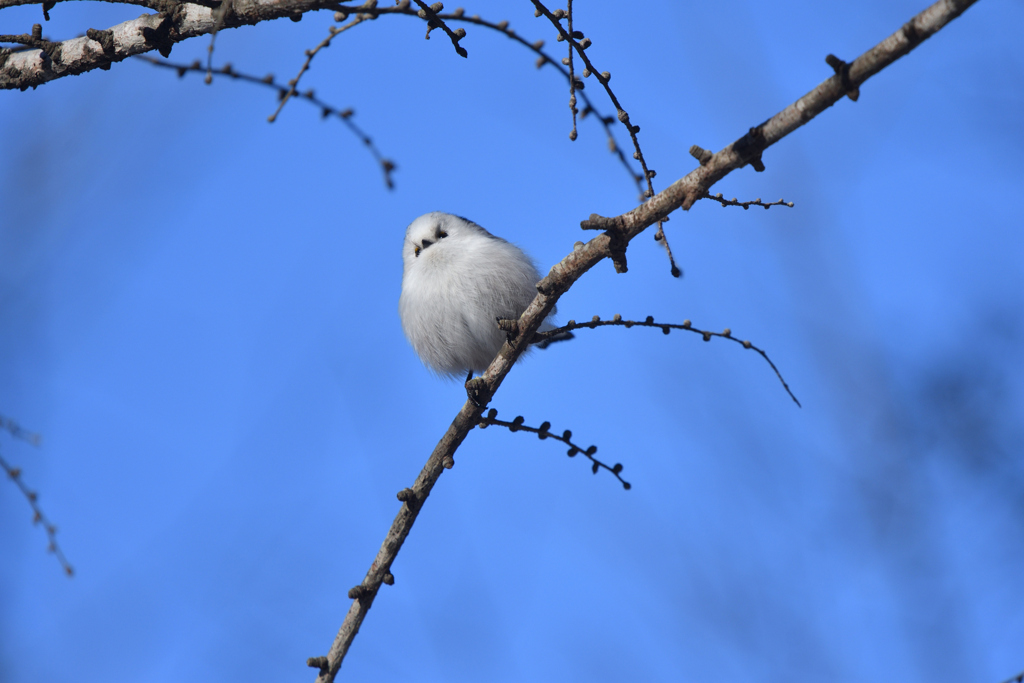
x=475 y=389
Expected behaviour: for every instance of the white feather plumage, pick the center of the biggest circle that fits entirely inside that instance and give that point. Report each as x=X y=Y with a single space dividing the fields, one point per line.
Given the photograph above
x=457 y=280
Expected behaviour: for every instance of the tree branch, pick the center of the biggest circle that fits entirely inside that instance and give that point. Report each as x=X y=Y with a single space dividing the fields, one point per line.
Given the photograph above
x=326 y=110
x=113 y=52
x=158 y=5
x=99 y=49
x=14 y=473
x=686 y=325
x=429 y=14
x=544 y=433
x=610 y=244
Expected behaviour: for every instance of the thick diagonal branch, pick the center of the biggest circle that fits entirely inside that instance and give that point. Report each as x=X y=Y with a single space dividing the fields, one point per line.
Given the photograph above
x=618 y=231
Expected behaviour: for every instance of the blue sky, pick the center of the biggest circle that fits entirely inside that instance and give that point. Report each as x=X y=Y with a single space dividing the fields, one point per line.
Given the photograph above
x=198 y=311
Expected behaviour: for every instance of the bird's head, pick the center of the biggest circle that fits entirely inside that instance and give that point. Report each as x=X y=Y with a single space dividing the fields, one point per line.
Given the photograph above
x=433 y=233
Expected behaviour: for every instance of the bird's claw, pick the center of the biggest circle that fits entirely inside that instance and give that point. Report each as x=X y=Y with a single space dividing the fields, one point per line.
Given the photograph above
x=474 y=389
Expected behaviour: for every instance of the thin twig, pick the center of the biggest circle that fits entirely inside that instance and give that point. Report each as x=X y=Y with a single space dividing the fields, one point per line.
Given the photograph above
x=572 y=77
x=607 y=122
x=579 y=43
x=219 y=15
x=517 y=425
x=746 y=205
x=293 y=84
x=665 y=328
x=14 y=473
x=1019 y=678
x=19 y=432
x=326 y=110
x=660 y=238
x=28 y=41
x=604 y=79
x=429 y=13
x=543 y=58
x=37 y=515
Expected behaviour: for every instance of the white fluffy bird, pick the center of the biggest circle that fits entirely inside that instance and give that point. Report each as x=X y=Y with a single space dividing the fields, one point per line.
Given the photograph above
x=458 y=279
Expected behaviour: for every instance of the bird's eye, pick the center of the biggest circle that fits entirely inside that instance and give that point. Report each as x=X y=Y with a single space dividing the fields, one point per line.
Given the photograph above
x=441 y=233
x=416 y=251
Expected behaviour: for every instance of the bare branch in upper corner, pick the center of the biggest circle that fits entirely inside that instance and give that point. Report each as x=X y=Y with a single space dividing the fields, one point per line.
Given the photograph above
x=177 y=21
x=542 y=432
x=665 y=328
x=326 y=110
x=155 y=5
x=14 y=473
